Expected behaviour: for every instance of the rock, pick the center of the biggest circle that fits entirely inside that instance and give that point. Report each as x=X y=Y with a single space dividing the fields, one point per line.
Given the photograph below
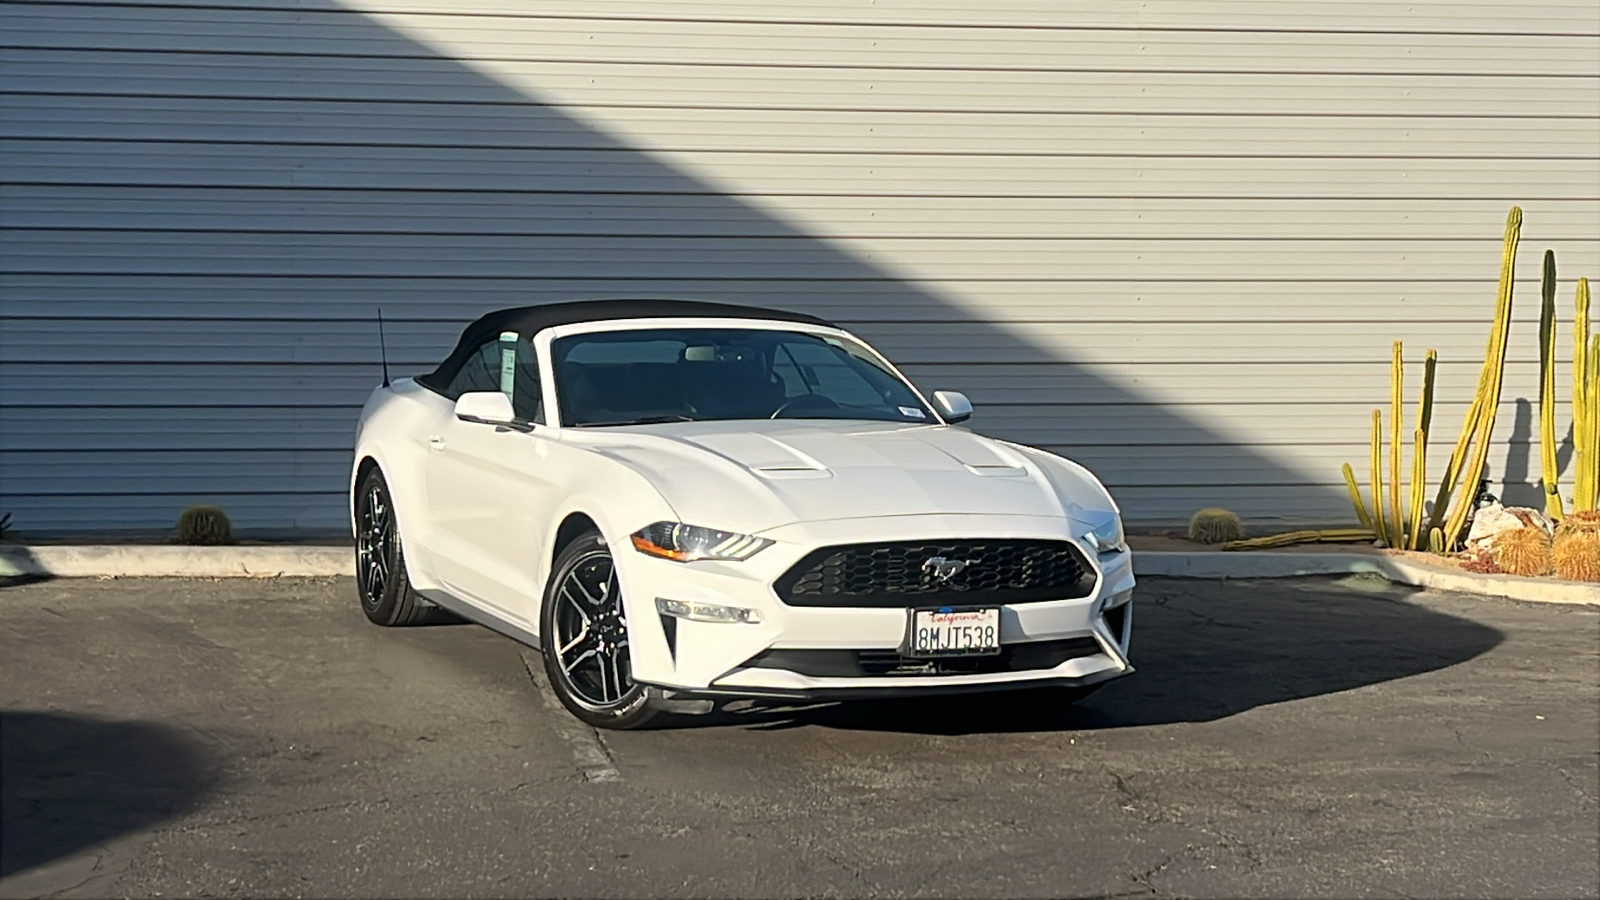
x=1492 y=520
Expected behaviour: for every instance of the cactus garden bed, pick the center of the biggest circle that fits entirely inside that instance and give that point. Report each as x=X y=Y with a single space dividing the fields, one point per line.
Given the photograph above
x=1176 y=542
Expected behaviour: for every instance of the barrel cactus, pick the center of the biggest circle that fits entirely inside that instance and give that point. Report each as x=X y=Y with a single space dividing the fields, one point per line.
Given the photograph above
x=1575 y=553
x=1523 y=551
x=204 y=525
x=1215 y=526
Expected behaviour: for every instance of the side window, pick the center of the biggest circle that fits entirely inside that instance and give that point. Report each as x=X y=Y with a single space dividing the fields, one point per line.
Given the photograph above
x=482 y=373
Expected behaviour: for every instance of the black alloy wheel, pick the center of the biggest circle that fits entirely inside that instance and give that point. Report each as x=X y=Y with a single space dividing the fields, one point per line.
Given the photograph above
x=584 y=630
x=381 y=578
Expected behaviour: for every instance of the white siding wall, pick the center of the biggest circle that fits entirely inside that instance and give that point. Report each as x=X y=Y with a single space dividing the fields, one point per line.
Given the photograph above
x=1172 y=238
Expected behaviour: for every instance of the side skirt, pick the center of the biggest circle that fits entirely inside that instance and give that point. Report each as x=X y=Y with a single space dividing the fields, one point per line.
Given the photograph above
x=482 y=617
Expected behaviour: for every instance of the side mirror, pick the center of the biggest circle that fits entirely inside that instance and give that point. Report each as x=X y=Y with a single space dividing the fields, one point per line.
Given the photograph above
x=953 y=406
x=488 y=407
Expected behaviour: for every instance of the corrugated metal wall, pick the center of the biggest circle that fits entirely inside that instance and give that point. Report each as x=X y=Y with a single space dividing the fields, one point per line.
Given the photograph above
x=1172 y=239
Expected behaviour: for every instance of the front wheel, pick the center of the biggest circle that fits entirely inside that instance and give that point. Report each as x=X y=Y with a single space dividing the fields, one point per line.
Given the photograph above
x=584 y=633
x=381 y=579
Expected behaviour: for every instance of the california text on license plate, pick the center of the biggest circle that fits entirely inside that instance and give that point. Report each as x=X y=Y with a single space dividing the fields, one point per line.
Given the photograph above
x=954 y=632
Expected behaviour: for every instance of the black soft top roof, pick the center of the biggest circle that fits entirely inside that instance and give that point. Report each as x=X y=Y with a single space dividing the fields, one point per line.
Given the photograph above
x=529 y=320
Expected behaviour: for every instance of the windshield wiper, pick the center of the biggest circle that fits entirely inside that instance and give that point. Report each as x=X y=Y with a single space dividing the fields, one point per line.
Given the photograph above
x=642 y=420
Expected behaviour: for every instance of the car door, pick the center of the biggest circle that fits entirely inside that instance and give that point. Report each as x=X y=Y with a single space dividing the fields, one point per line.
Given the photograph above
x=489 y=487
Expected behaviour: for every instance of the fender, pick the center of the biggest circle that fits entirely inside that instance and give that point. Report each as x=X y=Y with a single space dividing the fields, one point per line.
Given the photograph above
x=389 y=411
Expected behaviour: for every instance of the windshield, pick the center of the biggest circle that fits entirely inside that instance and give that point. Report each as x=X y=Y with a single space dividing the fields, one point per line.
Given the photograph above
x=701 y=374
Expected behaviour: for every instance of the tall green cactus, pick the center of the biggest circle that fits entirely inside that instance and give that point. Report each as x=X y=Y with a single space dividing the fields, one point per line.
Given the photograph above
x=1419 y=458
x=1355 y=498
x=1480 y=428
x=1591 y=424
x=1591 y=419
x=1378 y=525
x=1585 y=401
x=1547 y=388
x=1397 y=519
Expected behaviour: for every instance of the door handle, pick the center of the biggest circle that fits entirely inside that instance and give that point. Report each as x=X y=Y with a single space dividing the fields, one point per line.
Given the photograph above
x=435 y=442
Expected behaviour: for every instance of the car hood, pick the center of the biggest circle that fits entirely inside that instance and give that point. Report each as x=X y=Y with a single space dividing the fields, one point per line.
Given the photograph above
x=750 y=476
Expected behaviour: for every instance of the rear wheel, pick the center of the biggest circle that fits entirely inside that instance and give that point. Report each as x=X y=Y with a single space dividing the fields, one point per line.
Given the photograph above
x=381 y=580
x=584 y=632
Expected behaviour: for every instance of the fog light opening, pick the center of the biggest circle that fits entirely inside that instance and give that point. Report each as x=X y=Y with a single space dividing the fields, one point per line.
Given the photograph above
x=696 y=611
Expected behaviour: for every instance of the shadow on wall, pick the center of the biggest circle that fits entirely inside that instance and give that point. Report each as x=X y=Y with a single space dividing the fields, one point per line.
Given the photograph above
x=1202 y=654
x=311 y=164
x=1523 y=484
x=72 y=782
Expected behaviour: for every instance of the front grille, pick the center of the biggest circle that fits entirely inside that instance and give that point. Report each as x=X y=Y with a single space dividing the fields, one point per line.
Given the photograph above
x=1031 y=656
x=907 y=573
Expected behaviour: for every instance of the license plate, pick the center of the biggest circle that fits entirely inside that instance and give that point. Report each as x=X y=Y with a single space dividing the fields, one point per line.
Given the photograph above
x=954 y=632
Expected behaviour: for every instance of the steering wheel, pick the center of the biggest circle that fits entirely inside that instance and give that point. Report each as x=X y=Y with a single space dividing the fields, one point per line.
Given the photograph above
x=814 y=401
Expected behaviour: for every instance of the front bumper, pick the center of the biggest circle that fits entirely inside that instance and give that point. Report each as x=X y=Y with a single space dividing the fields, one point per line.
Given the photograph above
x=858 y=691
x=689 y=658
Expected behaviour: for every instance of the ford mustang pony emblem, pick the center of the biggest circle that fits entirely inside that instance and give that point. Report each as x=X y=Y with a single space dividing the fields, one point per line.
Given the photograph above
x=940 y=569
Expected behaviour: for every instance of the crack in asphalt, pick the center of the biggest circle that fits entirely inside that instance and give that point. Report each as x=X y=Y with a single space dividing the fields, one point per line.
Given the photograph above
x=590 y=754
x=855 y=872
x=1143 y=878
x=1239 y=845
x=1151 y=811
x=1170 y=603
x=1136 y=802
x=1581 y=790
x=94 y=872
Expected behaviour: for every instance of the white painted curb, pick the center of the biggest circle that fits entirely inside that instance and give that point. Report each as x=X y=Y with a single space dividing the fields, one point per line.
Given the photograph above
x=267 y=561
x=1217 y=564
x=154 y=560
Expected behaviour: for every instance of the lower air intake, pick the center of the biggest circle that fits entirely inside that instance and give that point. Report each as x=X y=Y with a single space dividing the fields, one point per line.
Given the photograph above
x=1028 y=657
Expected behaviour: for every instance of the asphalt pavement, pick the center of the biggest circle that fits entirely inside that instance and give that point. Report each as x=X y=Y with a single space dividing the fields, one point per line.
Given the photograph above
x=1307 y=737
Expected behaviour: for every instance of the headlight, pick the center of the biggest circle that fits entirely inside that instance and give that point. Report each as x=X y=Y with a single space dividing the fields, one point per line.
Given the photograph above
x=1108 y=538
x=687 y=543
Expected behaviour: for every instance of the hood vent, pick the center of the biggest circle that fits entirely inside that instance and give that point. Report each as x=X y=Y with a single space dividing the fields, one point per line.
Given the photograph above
x=786 y=473
x=997 y=471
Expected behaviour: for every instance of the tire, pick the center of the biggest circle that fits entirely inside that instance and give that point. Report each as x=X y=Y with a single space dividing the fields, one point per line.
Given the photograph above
x=382 y=583
x=585 y=639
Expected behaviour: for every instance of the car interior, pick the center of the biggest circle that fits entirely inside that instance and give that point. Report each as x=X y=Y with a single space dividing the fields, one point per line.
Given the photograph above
x=738 y=388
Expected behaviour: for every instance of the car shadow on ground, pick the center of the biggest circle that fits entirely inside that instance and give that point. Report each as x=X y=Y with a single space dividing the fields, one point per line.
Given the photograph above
x=10 y=581
x=1203 y=651
x=72 y=782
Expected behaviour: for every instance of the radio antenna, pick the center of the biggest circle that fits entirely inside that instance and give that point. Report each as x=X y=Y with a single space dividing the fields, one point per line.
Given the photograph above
x=383 y=349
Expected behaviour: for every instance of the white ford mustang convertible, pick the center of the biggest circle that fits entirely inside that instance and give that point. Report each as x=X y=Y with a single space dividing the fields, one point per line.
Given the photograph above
x=680 y=501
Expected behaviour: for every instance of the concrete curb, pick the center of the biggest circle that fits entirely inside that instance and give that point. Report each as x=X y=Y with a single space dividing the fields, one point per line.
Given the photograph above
x=268 y=561
x=1217 y=564
x=156 y=560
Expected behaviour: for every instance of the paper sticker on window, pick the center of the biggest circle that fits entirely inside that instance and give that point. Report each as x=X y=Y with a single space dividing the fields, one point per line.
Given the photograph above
x=508 y=362
x=912 y=412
